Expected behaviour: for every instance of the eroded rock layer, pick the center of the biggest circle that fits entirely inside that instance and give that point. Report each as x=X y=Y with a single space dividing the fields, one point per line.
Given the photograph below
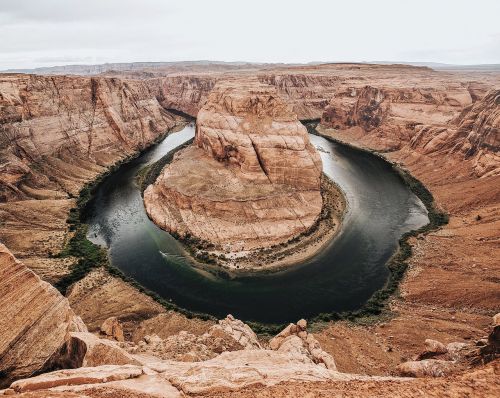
x=35 y=320
x=474 y=135
x=57 y=131
x=251 y=179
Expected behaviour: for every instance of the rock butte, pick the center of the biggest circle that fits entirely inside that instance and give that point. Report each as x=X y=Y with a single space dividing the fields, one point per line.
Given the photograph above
x=59 y=132
x=251 y=179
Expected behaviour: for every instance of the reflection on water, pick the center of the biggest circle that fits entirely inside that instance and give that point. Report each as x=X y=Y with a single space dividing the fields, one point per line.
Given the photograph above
x=342 y=277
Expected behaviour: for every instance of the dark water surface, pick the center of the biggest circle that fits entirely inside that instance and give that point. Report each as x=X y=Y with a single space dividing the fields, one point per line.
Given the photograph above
x=342 y=277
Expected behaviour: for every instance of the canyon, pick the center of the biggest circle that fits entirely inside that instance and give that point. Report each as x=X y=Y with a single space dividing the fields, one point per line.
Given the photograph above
x=58 y=133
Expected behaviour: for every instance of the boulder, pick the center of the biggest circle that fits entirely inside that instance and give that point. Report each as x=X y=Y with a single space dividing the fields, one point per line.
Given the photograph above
x=112 y=327
x=458 y=351
x=496 y=320
x=229 y=334
x=426 y=367
x=302 y=324
x=494 y=335
x=69 y=377
x=295 y=339
x=435 y=347
x=238 y=330
x=86 y=349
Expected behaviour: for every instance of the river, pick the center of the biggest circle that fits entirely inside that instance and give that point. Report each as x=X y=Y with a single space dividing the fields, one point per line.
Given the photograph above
x=340 y=278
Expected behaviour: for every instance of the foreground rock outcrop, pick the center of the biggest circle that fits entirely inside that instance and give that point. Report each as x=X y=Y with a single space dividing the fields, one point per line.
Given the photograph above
x=35 y=320
x=106 y=370
x=228 y=334
x=47 y=335
x=250 y=180
x=295 y=338
x=95 y=367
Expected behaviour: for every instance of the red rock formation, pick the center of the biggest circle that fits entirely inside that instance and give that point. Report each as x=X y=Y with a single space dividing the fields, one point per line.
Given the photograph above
x=391 y=112
x=57 y=132
x=251 y=179
x=35 y=320
x=475 y=134
x=185 y=93
x=248 y=125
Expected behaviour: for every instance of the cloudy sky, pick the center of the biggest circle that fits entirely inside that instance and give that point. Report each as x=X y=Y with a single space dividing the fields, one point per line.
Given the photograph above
x=56 y=32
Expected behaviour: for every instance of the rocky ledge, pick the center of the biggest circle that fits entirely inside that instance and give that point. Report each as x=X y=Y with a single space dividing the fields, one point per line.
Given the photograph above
x=251 y=179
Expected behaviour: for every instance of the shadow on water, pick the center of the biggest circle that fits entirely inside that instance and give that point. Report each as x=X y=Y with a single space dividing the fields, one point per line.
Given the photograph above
x=381 y=208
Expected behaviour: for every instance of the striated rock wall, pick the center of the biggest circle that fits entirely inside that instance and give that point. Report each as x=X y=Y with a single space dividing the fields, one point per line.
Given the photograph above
x=251 y=179
x=428 y=120
x=248 y=125
x=307 y=93
x=392 y=112
x=474 y=134
x=309 y=89
x=35 y=320
x=57 y=132
x=185 y=93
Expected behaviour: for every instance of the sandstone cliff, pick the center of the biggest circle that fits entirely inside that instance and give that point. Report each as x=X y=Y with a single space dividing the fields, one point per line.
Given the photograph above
x=57 y=132
x=391 y=112
x=474 y=134
x=251 y=179
x=35 y=320
x=426 y=119
x=185 y=93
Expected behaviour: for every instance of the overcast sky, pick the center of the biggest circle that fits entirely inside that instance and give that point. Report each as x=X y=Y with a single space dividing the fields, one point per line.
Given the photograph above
x=56 y=32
